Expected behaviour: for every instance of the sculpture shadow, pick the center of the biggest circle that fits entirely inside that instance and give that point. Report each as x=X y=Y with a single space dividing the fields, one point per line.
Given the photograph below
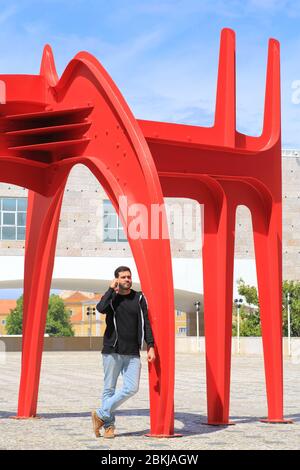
x=193 y=424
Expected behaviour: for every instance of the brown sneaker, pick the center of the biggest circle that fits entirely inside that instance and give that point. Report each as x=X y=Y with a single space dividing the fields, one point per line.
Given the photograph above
x=97 y=423
x=109 y=433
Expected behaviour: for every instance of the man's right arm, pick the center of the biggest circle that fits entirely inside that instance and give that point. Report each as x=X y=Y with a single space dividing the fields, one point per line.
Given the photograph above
x=104 y=305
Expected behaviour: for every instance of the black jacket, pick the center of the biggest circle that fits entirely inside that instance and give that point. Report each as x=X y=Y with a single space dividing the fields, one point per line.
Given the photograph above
x=106 y=305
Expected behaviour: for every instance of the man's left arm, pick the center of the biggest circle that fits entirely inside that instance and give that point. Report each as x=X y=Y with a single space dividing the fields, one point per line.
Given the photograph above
x=148 y=331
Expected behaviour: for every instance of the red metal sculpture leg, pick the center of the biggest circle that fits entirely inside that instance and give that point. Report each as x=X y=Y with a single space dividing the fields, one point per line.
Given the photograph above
x=268 y=252
x=218 y=256
x=41 y=235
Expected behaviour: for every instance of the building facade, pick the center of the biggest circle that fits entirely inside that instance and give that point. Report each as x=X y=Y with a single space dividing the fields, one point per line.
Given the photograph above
x=90 y=232
x=6 y=305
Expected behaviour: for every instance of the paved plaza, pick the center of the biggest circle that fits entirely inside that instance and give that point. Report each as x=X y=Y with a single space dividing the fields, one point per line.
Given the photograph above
x=71 y=385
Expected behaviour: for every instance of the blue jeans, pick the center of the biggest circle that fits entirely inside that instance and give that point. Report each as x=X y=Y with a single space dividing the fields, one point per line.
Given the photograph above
x=113 y=365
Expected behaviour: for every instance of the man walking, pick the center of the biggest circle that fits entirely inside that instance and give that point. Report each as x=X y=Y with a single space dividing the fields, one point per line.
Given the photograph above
x=127 y=325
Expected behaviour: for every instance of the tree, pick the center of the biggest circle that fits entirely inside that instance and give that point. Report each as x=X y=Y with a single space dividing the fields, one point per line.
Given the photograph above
x=250 y=315
x=58 y=318
x=249 y=292
x=249 y=322
x=293 y=287
x=14 y=319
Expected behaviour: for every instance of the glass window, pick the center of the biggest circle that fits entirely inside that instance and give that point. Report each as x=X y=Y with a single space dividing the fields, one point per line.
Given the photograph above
x=22 y=204
x=9 y=204
x=8 y=233
x=122 y=236
x=110 y=221
x=182 y=331
x=112 y=227
x=20 y=233
x=22 y=218
x=12 y=218
x=9 y=218
x=110 y=235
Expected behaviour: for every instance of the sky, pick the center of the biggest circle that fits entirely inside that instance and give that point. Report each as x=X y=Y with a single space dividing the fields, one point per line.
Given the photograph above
x=163 y=55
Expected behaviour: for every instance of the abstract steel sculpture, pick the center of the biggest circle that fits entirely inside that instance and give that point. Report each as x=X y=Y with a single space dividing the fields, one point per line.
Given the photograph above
x=48 y=125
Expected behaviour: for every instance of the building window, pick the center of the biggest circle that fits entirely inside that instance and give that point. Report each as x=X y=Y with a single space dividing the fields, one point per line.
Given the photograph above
x=12 y=218
x=3 y=322
x=112 y=226
x=178 y=313
x=182 y=331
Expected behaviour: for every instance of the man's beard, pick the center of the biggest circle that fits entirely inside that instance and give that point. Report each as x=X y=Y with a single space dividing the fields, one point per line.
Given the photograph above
x=125 y=287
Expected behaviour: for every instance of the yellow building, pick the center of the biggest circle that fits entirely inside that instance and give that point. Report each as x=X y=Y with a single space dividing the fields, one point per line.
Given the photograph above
x=6 y=305
x=85 y=324
x=81 y=304
x=180 y=323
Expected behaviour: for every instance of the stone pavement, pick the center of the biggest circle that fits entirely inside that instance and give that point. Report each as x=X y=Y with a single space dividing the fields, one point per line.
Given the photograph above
x=71 y=384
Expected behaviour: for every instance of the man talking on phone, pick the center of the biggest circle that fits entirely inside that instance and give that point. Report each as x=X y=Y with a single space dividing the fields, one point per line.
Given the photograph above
x=127 y=326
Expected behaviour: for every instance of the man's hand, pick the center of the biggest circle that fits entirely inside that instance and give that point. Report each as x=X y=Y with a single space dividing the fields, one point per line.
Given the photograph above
x=115 y=285
x=151 y=355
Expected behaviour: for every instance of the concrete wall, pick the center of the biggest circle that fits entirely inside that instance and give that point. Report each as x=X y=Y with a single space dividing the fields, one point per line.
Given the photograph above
x=291 y=220
x=248 y=345
x=80 y=229
x=67 y=343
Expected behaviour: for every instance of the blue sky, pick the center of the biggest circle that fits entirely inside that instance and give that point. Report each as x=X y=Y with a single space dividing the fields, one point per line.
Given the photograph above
x=163 y=54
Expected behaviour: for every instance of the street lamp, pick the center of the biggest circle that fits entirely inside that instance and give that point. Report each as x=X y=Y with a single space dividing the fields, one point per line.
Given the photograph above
x=90 y=311
x=289 y=302
x=238 y=303
x=197 y=305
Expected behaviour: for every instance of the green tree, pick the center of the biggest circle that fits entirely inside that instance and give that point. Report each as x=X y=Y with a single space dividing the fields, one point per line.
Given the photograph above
x=250 y=316
x=58 y=318
x=249 y=292
x=249 y=322
x=249 y=313
x=293 y=287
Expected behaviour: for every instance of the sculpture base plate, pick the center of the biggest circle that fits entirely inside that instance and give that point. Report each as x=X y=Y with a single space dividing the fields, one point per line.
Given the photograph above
x=163 y=436
x=277 y=421
x=25 y=417
x=229 y=423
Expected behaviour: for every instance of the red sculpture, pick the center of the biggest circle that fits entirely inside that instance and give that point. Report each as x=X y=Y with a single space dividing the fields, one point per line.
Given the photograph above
x=48 y=125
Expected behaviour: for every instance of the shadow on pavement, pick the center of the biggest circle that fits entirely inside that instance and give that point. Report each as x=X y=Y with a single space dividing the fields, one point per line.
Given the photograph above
x=193 y=424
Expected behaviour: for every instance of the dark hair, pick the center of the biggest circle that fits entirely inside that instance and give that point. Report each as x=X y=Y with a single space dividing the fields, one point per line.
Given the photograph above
x=121 y=269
